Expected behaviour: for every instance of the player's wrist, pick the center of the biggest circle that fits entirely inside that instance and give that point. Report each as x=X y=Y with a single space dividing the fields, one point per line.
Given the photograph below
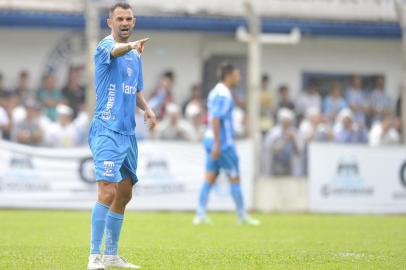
x=148 y=111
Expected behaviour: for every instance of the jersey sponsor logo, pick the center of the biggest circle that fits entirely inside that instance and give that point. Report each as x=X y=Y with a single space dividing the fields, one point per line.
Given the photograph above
x=128 y=89
x=111 y=97
x=108 y=168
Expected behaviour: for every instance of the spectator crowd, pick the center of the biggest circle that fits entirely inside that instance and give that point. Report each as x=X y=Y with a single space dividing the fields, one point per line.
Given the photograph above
x=54 y=117
x=46 y=116
x=346 y=115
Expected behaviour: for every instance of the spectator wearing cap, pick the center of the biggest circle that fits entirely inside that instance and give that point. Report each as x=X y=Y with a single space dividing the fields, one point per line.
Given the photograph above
x=315 y=127
x=347 y=131
x=29 y=130
x=49 y=96
x=195 y=115
x=173 y=127
x=281 y=147
x=63 y=132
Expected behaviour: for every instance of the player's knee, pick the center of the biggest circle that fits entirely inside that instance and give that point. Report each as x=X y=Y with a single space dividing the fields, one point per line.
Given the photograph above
x=211 y=181
x=211 y=177
x=234 y=180
x=107 y=194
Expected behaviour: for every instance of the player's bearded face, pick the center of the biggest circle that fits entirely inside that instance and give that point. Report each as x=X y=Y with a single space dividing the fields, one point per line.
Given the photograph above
x=122 y=23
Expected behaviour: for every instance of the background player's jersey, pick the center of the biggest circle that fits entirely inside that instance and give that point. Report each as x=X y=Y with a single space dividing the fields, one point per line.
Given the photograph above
x=118 y=80
x=220 y=105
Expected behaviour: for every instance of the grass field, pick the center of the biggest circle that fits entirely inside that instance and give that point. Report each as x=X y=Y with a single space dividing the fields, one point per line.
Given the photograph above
x=40 y=240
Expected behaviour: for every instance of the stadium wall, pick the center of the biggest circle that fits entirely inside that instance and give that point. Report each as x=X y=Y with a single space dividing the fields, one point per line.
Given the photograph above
x=186 y=53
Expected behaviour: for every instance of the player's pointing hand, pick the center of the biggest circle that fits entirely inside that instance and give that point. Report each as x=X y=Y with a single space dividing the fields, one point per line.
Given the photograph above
x=139 y=44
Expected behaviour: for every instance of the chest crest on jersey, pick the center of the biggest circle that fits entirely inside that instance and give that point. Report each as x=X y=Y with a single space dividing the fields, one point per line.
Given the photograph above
x=129 y=71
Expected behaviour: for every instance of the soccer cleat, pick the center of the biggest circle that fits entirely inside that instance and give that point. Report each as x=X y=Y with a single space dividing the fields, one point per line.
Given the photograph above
x=202 y=221
x=118 y=262
x=95 y=262
x=250 y=221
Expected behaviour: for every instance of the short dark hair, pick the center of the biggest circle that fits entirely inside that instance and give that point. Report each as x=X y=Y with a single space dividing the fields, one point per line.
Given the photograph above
x=123 y=5
x=225 y=69
x=283 y=88
x=24 y=73
x=169 y=74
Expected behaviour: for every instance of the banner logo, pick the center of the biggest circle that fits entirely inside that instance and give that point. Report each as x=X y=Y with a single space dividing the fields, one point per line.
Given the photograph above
x=348 y=180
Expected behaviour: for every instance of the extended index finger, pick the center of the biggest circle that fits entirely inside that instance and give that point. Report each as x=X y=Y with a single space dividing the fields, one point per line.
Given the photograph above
x=144 y=40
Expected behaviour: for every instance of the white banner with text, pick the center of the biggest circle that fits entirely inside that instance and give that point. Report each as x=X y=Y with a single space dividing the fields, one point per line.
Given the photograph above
x=357 y=179
x=170 y=175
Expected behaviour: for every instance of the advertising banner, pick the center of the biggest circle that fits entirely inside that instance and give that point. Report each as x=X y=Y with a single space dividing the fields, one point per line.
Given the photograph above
x=357 y=179
x=170 y=175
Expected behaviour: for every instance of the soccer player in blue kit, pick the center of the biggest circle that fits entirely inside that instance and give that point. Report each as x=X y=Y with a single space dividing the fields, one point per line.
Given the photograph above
x=119 y=85
x=220 y=146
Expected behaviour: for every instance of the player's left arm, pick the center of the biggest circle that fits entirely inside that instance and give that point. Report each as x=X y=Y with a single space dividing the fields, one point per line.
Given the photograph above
x=149 y=115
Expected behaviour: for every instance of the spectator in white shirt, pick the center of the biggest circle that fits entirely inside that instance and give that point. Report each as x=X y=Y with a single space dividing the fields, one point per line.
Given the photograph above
x=173 y=127
x=29 y=129
x=62 y=133
x=385 y=132
x=4 y=121
x=347 y=131
x=281 y=148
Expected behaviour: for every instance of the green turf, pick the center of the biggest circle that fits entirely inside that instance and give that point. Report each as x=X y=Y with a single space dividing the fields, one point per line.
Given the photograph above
x=59 y=240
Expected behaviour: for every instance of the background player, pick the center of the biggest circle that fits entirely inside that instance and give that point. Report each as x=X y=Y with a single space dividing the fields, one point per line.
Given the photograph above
x=220 y=146
x=112 y=140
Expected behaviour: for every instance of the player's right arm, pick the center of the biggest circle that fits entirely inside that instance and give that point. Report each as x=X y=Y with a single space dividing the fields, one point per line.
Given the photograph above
x=120 y=49
x=220 y=107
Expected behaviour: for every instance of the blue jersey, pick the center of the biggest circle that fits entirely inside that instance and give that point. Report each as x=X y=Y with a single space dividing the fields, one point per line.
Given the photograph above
x=118 y=79
x=220 y=105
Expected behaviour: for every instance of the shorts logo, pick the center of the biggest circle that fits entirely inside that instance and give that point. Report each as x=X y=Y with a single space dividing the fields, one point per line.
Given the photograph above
x=108 y=168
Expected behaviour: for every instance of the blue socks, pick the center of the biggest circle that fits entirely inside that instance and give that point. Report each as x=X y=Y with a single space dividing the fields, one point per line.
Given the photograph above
x=114 y=222
x=235 y=189
x=98 y=223
x=203 y=199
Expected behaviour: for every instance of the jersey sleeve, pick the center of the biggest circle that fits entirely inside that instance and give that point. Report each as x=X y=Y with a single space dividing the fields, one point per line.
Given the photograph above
x=103 y=51
x=220 y=106
x=140 y=79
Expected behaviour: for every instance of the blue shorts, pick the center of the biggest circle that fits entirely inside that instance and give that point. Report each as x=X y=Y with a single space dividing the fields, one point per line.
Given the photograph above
x=115 y=155
x=227 y=161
